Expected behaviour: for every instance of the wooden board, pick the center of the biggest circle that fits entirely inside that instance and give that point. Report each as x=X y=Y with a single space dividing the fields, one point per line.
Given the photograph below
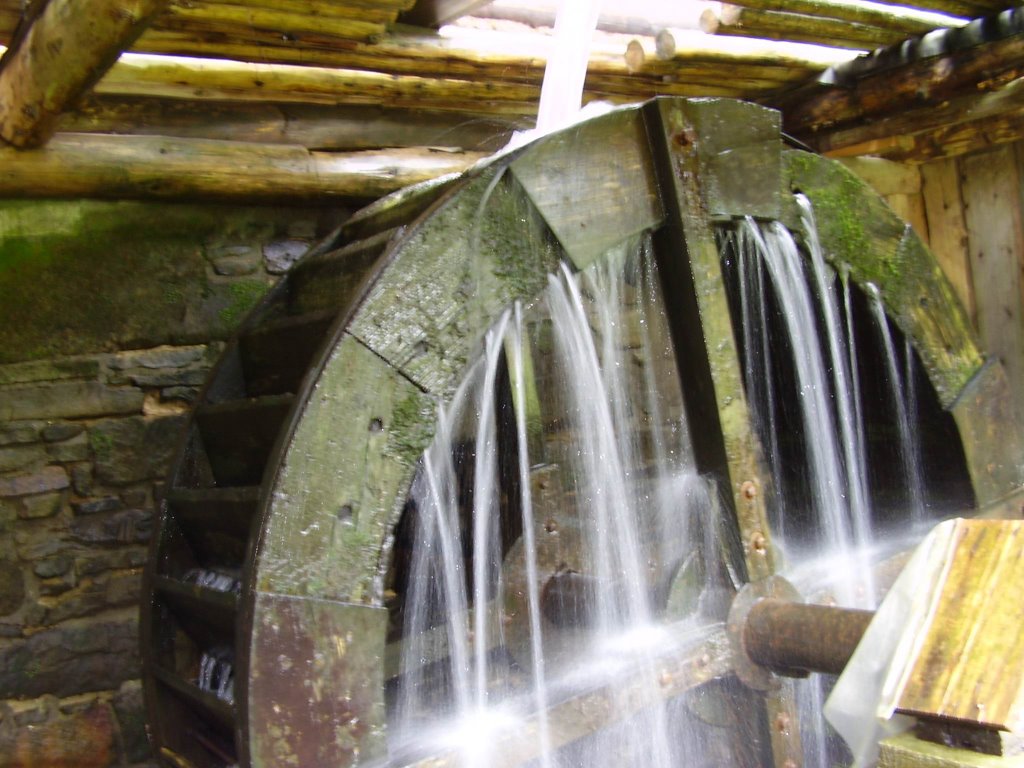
x=316 y=688
x=325 y=528
x=899 y=185
x=452 y=277
x=992 y=209
x=594 y=185
x=970 y=665
x=906 y=751
x=947 y=230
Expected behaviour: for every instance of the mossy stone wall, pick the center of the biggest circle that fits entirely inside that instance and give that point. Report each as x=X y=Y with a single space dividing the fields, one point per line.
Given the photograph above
x=111 y=315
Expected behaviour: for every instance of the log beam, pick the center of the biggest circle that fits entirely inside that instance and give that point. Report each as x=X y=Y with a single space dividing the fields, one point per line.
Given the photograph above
x=908 y=21
x=66 y=50
x=774 y=25
x=952 y=128
x=343 y=128
x=172 y=77
x=141 y=167
x=922 y=83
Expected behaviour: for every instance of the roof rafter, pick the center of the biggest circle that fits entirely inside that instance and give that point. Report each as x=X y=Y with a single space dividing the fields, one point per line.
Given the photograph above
x=68 y=47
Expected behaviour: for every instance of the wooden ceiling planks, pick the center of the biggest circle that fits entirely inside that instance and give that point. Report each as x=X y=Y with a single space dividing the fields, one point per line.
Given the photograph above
x=326 y=56
x=951 y=94
x=64 y=51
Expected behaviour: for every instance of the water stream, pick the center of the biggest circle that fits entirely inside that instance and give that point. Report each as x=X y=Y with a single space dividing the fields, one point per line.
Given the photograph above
x=552 y=512
x=562 y=540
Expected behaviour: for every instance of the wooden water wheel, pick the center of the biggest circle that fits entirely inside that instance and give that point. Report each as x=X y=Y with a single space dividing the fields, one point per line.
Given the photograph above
x=266 y=581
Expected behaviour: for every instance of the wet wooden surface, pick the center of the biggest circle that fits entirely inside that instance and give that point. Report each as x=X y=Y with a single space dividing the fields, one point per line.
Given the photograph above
x=316 y=688
x=858 y=231
x=970 y=665
x=593 y=183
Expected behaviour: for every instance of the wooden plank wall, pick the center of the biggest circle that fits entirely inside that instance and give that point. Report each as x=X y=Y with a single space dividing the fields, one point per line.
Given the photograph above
x=970 y=210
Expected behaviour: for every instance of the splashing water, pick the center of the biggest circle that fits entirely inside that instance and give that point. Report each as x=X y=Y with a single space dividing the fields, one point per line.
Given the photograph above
x=551 y=514
x=558 y=525
x=797 y=315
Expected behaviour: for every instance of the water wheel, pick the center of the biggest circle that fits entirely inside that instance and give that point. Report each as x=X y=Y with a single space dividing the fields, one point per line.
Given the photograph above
x=269 y=615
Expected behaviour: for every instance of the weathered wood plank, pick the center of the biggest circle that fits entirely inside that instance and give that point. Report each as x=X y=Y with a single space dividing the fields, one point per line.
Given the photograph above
x=239 y=436
x=898 y=184
x=215 y=522
x=712 y=381
x=80 y=165
x=993 y=440
x=481 y=250
x=962 y=137
x=330 y=281
x=173 y=77
x=224 y=18
x=342 y=483
x=907 y=20
x=774 y=25
x=315 y=688
x=684 y=137
x=885 y=177
x=980 y=68
x=276 y=356
x=991 y=184
x=580 y=197
x=907 y=751
x=947 y=230
x=65 y=51
x=910 y=134
x=975 y=620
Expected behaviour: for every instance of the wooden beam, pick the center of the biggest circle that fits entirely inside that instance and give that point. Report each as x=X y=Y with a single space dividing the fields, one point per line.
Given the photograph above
x=920 y=83
x=231 y=80
x=68 y=48
x=909 y=21
x=947 y=230
x=773 y=25
x=77 y=165
x=213 y=17
x=487 y=92
x=308 y=125
x=894 y=135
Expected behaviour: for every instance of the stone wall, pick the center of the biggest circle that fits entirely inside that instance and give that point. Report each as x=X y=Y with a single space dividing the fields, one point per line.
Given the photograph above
x=111 y=315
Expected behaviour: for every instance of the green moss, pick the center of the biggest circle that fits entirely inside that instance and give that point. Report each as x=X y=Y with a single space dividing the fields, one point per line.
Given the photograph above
x=102 y=445
x=861 y=235
x=88 y=276
x=412 y=426
x=244 y=296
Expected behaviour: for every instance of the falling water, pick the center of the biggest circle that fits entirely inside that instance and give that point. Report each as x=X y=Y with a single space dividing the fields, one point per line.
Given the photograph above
x=824 y=519
x=558 y=527
x=903 y=397
x=820 y=372
x=217 y=673
x=851 y=448
x=599 y=485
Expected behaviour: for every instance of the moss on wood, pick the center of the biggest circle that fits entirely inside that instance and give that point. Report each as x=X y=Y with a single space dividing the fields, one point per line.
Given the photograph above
x=860 y=233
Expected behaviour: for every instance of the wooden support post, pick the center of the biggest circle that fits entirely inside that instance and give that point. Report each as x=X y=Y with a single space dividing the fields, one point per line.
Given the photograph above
x=68 y=48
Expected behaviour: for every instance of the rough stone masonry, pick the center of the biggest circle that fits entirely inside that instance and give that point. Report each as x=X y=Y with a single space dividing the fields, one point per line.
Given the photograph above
x=110 y=326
